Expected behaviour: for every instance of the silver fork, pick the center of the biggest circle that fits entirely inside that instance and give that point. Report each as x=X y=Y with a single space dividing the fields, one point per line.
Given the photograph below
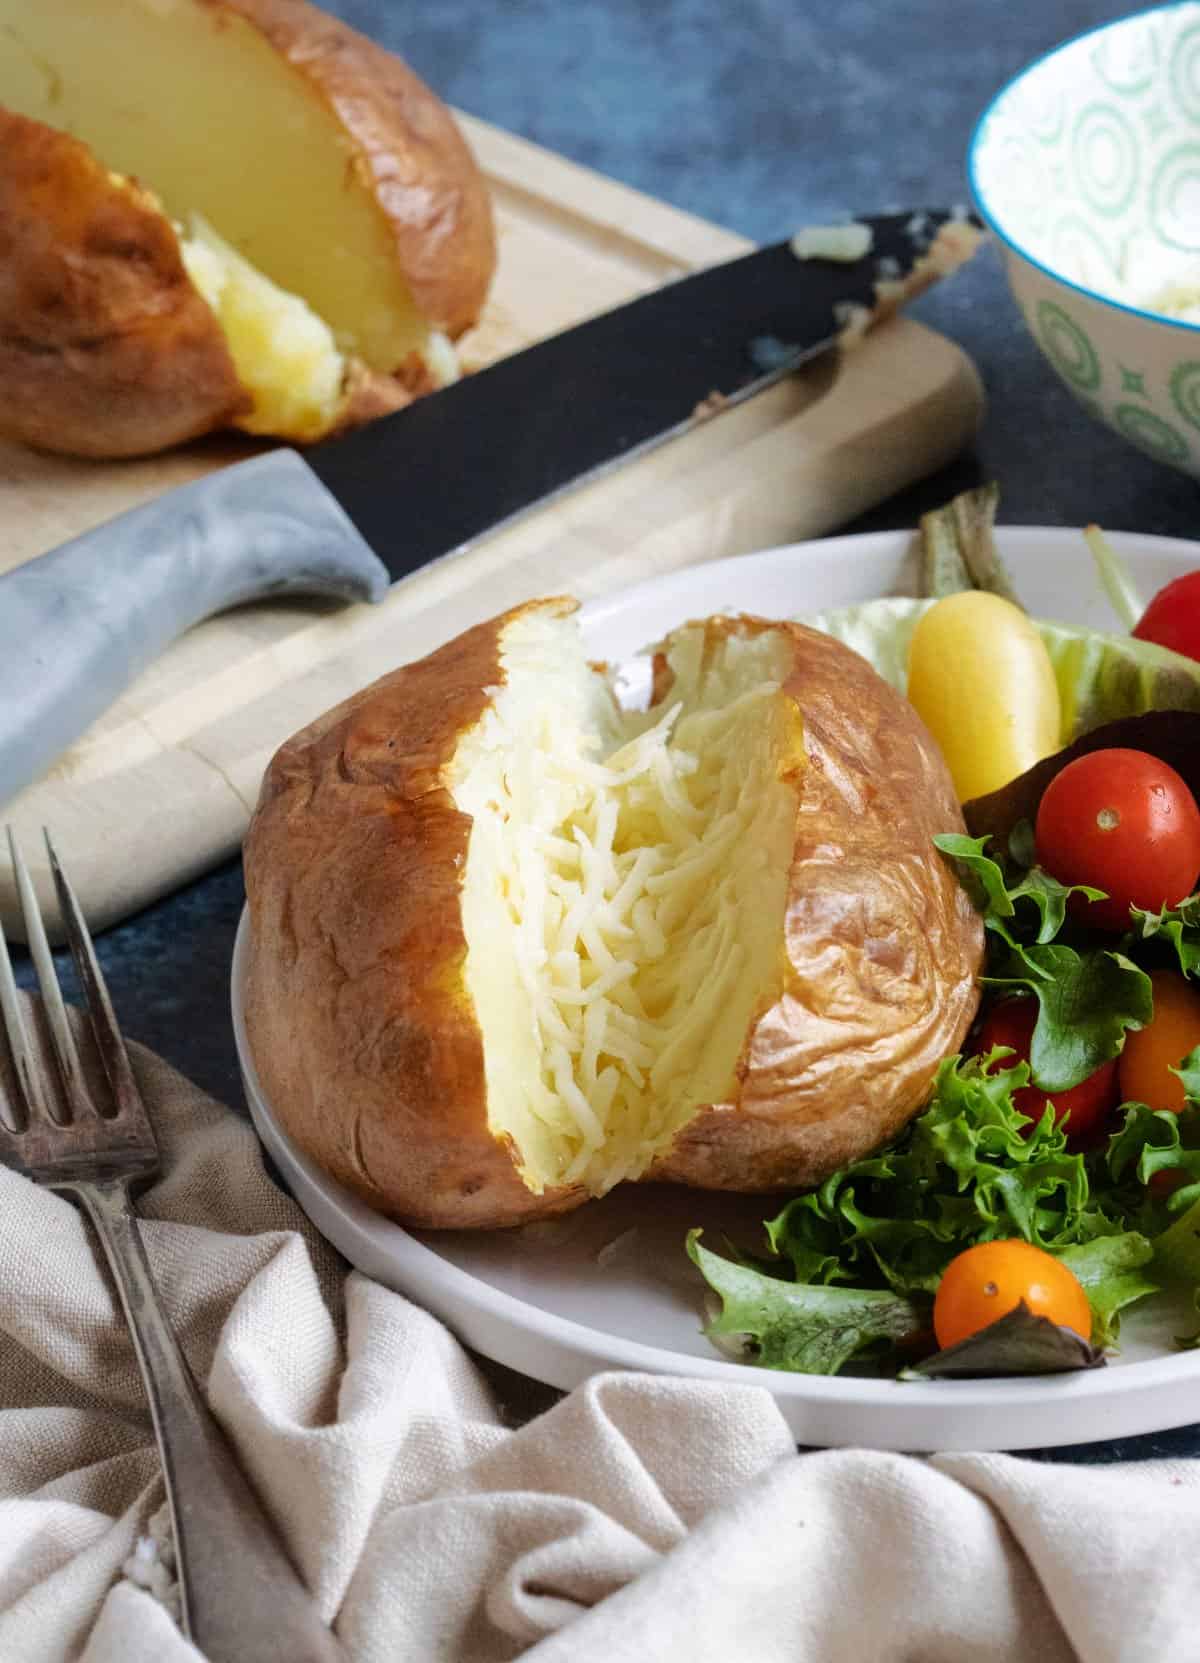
x=241 y=1599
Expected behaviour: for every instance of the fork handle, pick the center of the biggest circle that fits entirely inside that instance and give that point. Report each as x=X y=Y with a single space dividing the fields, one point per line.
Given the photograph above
x=242 y=1600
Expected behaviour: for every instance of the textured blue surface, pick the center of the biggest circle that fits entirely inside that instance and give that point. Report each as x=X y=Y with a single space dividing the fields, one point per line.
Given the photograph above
x=759 y=115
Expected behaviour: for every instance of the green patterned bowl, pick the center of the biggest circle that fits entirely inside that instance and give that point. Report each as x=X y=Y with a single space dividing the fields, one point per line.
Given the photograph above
x=1087 y=167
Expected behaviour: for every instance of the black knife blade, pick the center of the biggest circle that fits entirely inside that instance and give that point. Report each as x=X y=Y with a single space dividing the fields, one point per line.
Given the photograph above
x=80 y=622
x=462 y=461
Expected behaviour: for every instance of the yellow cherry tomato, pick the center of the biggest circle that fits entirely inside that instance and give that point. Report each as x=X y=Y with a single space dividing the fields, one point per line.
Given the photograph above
x=1150 y=1053
x=982 y=682
x=986 y=1282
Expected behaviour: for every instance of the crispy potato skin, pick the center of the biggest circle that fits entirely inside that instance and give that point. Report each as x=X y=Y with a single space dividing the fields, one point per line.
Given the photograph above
x=362 y=1030
x=882 y=945
x=402 y=139
x=106 y=349
x=359 y=1019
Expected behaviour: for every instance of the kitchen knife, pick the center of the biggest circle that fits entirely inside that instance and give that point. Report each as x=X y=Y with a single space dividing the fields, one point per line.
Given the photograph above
x=79 y=623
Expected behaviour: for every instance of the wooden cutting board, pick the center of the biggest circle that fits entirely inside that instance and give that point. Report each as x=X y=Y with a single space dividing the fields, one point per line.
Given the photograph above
x=162 y=787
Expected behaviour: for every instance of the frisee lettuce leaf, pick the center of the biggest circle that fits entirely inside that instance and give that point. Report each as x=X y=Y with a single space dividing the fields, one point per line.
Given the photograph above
x=1149 y=1141
x=1179 y=928
x=1189 y=1072
x=964 y=1172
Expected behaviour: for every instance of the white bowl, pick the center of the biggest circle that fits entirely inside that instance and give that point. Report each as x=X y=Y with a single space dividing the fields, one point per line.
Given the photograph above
x=1087 y=167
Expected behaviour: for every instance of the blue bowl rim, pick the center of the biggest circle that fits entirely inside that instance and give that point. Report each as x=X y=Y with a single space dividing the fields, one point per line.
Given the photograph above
x=994 y=225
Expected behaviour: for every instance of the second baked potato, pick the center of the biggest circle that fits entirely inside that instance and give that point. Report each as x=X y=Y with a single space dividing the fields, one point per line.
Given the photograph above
x=313 y=195
x=511 y=945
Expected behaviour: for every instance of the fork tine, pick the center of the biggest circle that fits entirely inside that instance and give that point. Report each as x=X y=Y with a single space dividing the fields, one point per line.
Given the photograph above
x=126 y=1096
x=65 y=1052
x=28 y=1075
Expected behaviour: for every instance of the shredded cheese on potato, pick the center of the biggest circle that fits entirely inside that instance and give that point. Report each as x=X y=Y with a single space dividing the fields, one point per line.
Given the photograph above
x=624 y=892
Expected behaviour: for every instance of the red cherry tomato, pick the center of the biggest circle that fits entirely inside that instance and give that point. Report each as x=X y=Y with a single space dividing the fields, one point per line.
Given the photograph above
x=1173 y=617
x=1123 y=822
x=1089 y=1104
x=1166 y=1181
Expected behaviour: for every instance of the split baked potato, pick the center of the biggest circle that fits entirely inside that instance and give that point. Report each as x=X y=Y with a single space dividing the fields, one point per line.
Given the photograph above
x=222 y=212
x=511 y=945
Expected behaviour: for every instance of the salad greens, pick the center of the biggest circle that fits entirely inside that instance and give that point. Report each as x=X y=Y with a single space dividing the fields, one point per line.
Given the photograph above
x=1017 y=1343
x=849 y=1270
x=1087 y=999
x=963 y=1173
x=958 y=548
x=1101 y=677
x=972 y=1168
x=807 y=1328
x=1179 y=926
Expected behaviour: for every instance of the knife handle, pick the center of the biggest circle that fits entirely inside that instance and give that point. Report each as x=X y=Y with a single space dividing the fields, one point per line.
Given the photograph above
x=78 y=624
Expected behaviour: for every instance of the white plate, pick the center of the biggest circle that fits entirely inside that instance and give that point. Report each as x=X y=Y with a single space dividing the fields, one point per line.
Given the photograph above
x=609 y=1287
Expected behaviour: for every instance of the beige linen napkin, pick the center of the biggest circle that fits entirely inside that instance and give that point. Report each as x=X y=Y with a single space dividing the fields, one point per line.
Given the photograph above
x=639 y=1518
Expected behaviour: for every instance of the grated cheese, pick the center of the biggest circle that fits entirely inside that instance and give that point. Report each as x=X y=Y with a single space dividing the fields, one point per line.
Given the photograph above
x=623 y=894
x=833 y=242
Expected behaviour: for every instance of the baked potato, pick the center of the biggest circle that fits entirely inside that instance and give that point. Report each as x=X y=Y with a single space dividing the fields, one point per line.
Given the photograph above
x=511 y=945
x=220 y=212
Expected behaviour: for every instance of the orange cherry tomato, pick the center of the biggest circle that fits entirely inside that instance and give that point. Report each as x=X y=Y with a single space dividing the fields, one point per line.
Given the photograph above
x=1088 y=1105
x=1126 y=823
x=1144 y=1067
x=988 y=1281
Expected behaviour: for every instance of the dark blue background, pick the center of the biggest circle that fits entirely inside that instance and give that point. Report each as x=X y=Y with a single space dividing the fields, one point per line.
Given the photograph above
x=760 y=115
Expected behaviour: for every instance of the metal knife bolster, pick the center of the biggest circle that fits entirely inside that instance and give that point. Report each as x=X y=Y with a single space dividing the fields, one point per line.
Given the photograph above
x=78 y=624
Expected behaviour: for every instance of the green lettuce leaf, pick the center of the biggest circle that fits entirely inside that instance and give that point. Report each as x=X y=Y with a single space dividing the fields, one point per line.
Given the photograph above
x=970 y=1169
x=1153 y=1140
x=963 y=1172
x=803 y=1328
x=1113 y=1272
x=1189 y=1072
x=1179 y=928
x=1088 y=1001
x=1177 y=1249
x=880 y=631
x=997 y=900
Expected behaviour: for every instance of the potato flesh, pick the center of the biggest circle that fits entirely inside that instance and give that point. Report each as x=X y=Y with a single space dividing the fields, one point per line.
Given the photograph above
x=624 y=895
x=284 y=354
x=198 y=106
